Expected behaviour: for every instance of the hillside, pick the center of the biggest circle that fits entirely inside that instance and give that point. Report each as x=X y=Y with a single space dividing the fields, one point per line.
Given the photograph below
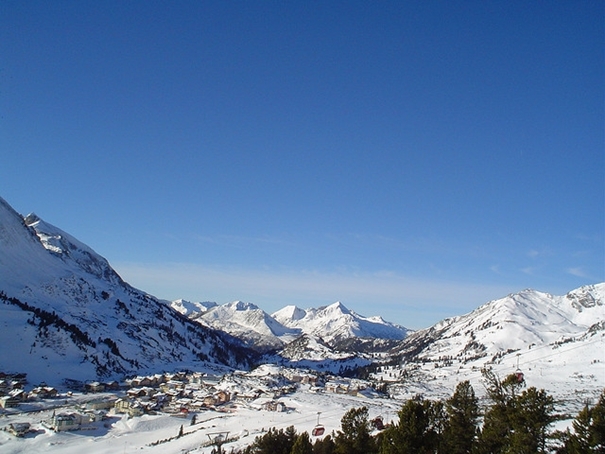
x=67 y=314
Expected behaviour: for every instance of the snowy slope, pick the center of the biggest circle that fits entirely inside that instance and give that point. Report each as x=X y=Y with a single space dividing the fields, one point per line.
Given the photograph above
x=521 y=320
x=65 y=313
x=335 y=323
x=557 y=341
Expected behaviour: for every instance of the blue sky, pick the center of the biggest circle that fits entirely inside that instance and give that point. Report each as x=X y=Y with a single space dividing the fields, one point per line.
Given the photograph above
x=410 y=159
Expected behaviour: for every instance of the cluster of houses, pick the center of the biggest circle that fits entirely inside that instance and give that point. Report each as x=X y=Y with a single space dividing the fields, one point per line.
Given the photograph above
x=12 y=389
x=177 y=394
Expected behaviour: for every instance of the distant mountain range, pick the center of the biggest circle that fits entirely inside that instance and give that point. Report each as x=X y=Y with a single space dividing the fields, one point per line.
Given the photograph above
x=331 y=324
x=67 y=314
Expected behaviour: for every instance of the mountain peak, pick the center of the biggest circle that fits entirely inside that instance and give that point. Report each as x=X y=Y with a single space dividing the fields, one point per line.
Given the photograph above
x=72 y=316
x=338 y=306
x=242 y=306
x=289 y=314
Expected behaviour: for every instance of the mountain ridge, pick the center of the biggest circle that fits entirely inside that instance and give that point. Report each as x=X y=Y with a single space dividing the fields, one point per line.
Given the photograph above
x=67 y=314
x=65 y=310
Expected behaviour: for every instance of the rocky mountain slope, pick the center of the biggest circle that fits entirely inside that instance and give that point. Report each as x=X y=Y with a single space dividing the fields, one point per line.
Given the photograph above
x=557 y=342
x=248 y=322
x=518 y=321
x=65 y=313
x=334 y=326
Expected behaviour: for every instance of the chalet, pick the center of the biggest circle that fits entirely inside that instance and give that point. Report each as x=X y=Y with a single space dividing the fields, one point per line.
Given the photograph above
x=129 y=406
x=310 y=380
x=142 y=393
x=273 y=405
x=18 y=429
x=112 y=386
x=140 y=382
x=223 y=396
x=67 y=421
x=43 y=392
x=249 y=396
x=172 y=385
x=18 y=394
x=337 y=387
x=94 y=387
x=100 y=404
x=9 y=402
x=210 y=401
x=96 y=415
x=195 y=378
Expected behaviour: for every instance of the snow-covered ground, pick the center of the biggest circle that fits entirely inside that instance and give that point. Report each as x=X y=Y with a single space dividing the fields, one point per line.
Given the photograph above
x=119 y=434
x=554 y=370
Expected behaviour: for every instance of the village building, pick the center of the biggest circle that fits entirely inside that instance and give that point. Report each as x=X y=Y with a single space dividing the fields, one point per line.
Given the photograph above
x=274 y=405
x=94 y=387
x=18 y=429
x=43 y=392
x=67 y=421
x=131 y=407
x=96 y=415
x=100 y=404
x=9 y=402
x=145 y=392
x=112 y=386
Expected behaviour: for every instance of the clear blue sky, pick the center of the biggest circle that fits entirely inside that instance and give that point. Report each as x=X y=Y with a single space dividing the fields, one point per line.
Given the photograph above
x=410 y=159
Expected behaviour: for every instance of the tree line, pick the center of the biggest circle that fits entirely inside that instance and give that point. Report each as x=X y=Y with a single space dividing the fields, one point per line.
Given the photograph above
x=516 y=421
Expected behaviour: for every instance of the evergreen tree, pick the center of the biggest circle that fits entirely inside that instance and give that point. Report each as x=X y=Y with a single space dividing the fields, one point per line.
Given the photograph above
x=274 y=442
x=418 y=431
x=516 y=422
x=533 y=413
x=324 y=446
x=355 y=436
x=461 y=430
x=302 y=445
x=495 y=435
x=588 y=431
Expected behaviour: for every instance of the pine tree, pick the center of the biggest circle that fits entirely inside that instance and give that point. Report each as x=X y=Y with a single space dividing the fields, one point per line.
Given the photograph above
x=302 y=445
x=355 y=436
x=516 y=422
x=418 y=431
x=274 y=442
x=533 y=414
x=324 y=446
x=461 y=430
x=588 y=431
x=494 y=437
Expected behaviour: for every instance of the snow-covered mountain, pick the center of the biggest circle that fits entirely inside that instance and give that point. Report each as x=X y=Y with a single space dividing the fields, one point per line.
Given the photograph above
x=515 y=322
x=335 y=323
x=191 y=308
x=67 y=314
x=557 y=342
x=249 y=323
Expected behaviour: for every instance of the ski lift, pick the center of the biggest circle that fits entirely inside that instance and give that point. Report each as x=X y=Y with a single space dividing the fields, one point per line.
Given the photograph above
x=519 y=372
x=318 y=430
x=377 y=423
